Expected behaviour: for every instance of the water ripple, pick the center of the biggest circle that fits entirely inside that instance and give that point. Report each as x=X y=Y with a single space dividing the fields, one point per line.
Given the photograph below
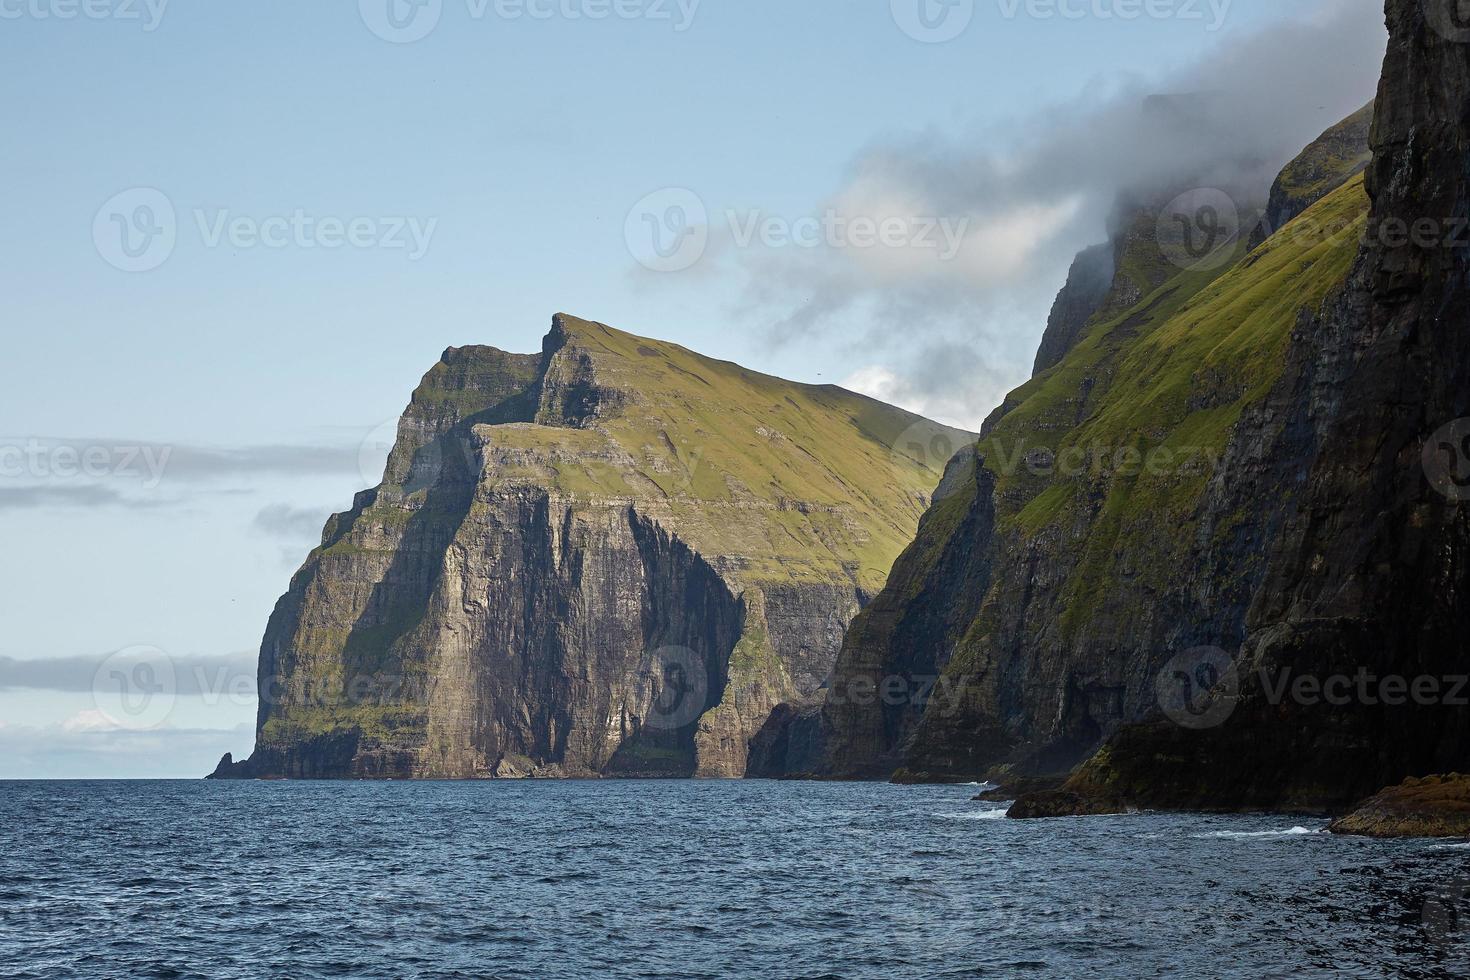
x=649 y=880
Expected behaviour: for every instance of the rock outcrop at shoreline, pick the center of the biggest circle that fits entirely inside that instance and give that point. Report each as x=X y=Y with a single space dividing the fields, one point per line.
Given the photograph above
x=1434 y=806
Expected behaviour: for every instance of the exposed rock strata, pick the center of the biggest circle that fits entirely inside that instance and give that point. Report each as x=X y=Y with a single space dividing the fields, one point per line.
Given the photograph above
x=1043 y=600
x=1368 y=569
x=613 y=558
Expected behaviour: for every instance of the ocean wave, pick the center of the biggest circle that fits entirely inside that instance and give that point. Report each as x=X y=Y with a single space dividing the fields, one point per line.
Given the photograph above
x=1254 y=834
x=976 y=814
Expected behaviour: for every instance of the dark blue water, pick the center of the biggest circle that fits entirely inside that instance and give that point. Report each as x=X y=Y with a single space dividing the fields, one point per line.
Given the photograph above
x=176 y=879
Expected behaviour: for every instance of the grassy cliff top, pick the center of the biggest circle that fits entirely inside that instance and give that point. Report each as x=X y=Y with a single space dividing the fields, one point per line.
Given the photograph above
x=781 y=479
x=1337 y=154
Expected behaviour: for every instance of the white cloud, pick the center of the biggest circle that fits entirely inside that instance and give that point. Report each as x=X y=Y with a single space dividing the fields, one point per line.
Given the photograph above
x=1032 y=194
x=91 y=720
x=80 y=749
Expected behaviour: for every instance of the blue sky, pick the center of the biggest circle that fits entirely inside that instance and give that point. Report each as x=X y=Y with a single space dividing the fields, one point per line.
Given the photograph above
x=505 y=153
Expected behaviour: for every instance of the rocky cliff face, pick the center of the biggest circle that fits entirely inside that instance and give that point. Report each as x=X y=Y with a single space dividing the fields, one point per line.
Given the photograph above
x=1366 y=583
x=1088 y=283
x=1247 y=483
x=1113 y=517
x=612 y=558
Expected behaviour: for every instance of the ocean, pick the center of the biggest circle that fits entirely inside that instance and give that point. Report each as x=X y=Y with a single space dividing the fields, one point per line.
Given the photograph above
x=695 y=879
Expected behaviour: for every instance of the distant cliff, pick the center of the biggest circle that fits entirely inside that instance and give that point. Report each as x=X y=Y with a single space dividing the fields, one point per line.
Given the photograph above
x=614 y=557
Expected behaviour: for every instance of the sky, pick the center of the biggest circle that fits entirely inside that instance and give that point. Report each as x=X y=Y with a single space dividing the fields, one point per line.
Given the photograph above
x=240 y=233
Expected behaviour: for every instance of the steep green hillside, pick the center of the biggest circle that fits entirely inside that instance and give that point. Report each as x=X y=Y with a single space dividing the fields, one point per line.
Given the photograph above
x=1165 y=384
x=1071 y=560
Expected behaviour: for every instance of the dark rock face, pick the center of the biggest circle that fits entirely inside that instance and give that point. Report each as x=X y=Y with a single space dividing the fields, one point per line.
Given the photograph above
x=613 y=558
x=1088 y=283
x=1369 y=572
x=1015 y=789
x=1435 y=806
x=905 y=636
x=1057 y=610
x=789 y=745
x=1031 y=676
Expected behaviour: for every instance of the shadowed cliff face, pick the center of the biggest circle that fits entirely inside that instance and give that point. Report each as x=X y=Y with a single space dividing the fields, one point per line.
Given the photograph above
x=1116 y=514
x=1369 y=573
x=612 y=558
x=1296 y=535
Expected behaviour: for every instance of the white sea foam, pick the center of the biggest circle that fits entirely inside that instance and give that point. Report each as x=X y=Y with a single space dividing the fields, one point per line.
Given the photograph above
x=976 y=814
x=1258 y=834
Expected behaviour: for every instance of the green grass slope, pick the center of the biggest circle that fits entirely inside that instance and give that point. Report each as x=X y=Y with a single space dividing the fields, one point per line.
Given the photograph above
x=1090 y=501
x=796 y=480
x=1102 y=467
